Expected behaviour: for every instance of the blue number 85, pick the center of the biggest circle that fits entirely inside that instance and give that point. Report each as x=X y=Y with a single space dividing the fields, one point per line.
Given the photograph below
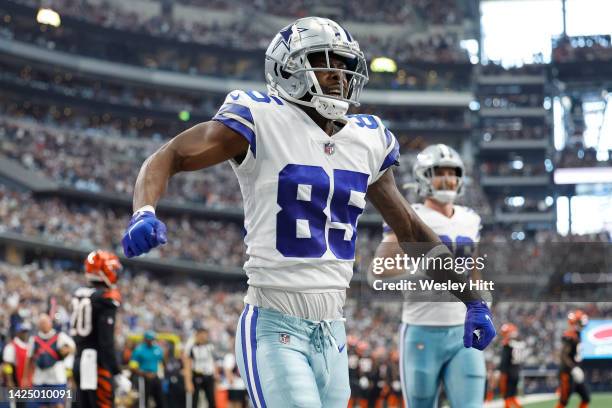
x=303 y=192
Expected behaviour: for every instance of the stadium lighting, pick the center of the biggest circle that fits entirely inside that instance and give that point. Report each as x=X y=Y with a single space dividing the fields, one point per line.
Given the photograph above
x=383 y=64
x=184 y=115
x=48 y=17
x=472 y=47
x=517 y=164
x=548 y=164
x=517 y=201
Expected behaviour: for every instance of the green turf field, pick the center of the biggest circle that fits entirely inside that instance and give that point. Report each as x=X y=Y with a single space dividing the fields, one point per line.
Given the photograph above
x=597 y=401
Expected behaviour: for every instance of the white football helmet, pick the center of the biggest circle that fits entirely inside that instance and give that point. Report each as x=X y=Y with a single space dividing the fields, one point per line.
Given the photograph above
x=439 y=155
x=289 y=73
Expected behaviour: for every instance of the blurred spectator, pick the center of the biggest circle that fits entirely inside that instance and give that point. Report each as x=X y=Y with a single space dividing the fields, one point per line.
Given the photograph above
x=47 y=353
x=512 y=168
x=14 y=357
x=146 y=362
x=583 y=48
x=440 y=46
x=580 y=156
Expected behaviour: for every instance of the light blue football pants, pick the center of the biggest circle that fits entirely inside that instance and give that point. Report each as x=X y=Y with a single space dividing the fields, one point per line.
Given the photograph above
x=287 y=361
x=430 y=355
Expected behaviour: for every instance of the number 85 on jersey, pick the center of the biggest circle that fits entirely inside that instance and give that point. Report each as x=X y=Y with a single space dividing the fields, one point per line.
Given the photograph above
x=303 y=227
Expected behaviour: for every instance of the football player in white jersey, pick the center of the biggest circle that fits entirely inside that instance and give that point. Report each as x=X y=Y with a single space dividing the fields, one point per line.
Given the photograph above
x=431 y=347
x=304 y=169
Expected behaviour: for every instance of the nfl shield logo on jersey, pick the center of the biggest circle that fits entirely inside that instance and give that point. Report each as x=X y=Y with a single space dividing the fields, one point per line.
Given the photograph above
x=284 y=338
x=329 y=148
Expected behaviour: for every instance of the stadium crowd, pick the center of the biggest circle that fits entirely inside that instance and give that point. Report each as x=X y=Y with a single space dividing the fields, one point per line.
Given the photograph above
x=579 y=49
x=513 y=168
x=492 y=69
x=524 y=100
x=580 y=156
x=512 y=129
x=106 y=164
x=435 y=12
x=89 y=226
x=151 y=100
x=172 y=307
x=100 y=160
x=441 y=47
x=528 y=204
x=114 y=93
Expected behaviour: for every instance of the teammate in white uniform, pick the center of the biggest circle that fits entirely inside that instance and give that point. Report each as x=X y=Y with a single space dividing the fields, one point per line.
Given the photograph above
x=304 y=168
x=431 y=350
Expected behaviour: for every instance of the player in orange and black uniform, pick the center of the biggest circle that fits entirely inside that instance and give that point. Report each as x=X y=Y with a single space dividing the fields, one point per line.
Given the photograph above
x=571 y=375
x=510 y=365
x=92 y=326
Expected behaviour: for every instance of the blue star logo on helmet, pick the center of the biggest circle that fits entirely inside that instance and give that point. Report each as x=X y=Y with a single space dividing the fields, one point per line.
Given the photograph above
x=286 y=33
x=288 y=71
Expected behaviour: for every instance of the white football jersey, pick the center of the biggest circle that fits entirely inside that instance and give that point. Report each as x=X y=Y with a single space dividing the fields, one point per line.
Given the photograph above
x=303 y=190
x=460 y=232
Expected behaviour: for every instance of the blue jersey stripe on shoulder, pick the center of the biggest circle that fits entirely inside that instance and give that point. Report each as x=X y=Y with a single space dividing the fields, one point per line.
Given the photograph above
x=240 y=110
x=239 y=128
x=392 y=158
x=388 y=137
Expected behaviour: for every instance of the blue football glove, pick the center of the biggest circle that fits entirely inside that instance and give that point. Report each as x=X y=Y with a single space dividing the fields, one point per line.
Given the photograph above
x=144 y=233
x=479 y=330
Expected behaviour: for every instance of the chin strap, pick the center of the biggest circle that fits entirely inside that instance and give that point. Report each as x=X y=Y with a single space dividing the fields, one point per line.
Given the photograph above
x=445 y=196
x=330 y=108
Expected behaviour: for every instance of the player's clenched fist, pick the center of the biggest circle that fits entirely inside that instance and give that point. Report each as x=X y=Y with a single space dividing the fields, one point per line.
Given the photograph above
x=479 y=329
x=144 y=233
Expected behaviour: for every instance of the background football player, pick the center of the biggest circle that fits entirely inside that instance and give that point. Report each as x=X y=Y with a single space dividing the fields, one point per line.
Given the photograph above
x=304 y=168
x=571 y=375
x=94 y=309
x=431 y=346
x=513 y=353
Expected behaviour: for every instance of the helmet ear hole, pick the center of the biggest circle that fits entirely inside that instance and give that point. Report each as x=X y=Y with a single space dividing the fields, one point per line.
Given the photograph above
x=284 y=74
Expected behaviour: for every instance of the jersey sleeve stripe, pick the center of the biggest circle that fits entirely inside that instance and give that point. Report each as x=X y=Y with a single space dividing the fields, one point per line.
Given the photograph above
x=388 y=137
x=239 y=110
x=240 y=126
x=392 y=157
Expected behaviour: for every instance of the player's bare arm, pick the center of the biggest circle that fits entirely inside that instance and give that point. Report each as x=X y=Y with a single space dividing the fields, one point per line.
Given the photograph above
x=566 y=353
x=409 y=228
x=398 y=213
x=187 y=373
x=201 y=146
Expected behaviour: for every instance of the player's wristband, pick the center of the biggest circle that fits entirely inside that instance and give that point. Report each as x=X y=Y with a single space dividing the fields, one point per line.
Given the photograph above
x=146 y=208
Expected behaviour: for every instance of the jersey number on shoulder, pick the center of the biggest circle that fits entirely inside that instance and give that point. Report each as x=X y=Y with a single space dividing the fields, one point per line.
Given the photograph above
x=260 y=97
x=365 y=121
x=80 y=320
x=462 y=247
x=303 y=192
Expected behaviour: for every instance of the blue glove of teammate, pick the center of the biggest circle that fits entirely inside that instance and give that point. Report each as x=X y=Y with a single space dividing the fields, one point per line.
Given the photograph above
x=144 y=233
x=478 y=329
